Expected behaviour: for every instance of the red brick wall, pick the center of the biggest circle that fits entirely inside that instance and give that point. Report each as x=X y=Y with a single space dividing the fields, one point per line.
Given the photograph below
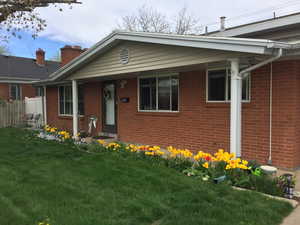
x=206 y=126
x=92 y=106
x=297 y=152
x=4 y=91
x=26 y=89
x=285 y=104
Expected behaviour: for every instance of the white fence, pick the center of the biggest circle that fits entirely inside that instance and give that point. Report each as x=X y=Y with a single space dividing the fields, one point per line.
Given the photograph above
x=17 y=113
x=12 y=113
x=34 y=109
x=34 y=105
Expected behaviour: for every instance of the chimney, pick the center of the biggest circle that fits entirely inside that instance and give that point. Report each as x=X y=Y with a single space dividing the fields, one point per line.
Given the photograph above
x=68 y=53
x=222 y=23
x=40 y=57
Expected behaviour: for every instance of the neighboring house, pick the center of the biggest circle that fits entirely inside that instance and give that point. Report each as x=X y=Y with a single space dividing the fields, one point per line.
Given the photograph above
x=18 y=73
x=196 y=92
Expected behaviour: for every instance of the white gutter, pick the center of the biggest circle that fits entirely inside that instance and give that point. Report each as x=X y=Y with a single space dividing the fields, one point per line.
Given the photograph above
x=245 y=73
x=17 y=80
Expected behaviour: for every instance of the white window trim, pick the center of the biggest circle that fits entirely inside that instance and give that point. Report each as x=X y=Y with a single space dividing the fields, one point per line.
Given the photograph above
x=157 y=76
x=58 y=100
x=226 y=87
x=20 y=87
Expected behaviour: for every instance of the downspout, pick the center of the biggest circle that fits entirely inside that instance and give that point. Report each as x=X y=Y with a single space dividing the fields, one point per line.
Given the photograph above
x=245 y=73
x=271 y=114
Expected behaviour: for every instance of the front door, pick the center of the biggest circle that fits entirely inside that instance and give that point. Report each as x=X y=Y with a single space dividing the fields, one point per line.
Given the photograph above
x=109 y=109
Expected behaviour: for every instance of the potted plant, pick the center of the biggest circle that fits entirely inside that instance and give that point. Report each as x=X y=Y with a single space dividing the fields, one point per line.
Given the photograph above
x=287 y=184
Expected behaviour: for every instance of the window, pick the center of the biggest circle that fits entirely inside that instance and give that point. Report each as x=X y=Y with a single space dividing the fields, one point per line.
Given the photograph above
x=66 y=103
x=15 y=92
x=39 y=91
x=219 y=88
x=159 y=93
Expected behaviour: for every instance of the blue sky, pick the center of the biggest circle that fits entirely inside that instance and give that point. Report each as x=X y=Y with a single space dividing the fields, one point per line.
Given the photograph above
x=87 y=23
x=26 y=46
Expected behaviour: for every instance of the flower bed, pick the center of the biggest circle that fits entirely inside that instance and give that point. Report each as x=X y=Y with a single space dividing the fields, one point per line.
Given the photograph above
x=220 y=167
x=52 y=133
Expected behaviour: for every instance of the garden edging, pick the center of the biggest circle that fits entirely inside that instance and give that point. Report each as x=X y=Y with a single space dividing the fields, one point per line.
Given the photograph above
x=294 y=203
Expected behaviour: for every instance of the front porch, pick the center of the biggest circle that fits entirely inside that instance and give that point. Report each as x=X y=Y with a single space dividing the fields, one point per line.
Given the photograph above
x=196 y=124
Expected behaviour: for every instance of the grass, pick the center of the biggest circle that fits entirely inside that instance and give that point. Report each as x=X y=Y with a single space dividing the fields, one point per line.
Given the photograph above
x=40 y=179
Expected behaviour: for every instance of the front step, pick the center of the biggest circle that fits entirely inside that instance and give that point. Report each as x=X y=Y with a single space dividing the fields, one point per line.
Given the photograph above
x=107 y=135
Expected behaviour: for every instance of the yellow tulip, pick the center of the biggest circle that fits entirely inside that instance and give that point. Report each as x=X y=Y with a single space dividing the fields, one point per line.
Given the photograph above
x=205 y=165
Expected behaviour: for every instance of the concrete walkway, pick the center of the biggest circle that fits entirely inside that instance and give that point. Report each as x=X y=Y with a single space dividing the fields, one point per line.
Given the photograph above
x=293 y=218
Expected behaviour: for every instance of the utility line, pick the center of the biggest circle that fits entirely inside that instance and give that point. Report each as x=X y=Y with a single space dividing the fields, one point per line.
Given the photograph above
x=278 y=7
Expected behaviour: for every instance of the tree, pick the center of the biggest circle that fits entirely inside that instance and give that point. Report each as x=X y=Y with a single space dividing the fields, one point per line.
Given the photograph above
x=4 y=50
x=185 y=23
x=16 y=15
x=147 y=19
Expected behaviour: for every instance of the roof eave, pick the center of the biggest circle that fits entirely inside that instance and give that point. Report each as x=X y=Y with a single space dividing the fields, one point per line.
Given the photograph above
x=17 y=80
x=243 y=45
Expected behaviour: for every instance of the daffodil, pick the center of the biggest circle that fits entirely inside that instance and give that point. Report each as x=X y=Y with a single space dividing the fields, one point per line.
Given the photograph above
x=205 y=165
x=101 y=142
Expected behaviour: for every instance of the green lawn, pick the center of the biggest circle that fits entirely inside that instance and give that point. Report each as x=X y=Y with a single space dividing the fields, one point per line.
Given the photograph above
x=40 y=179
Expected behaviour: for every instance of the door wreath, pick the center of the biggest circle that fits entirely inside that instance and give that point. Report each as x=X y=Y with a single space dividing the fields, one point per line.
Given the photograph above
x=107 y=94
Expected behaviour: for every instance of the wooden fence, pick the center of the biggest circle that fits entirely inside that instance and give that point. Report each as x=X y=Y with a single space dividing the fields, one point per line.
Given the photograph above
x=12 y=113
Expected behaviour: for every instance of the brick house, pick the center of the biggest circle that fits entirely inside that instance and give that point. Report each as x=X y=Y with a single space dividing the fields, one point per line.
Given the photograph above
x=236 y=89
x=17 y=75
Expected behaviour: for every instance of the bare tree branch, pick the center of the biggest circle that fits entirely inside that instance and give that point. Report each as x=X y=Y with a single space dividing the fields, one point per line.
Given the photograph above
x=146 y=19
x=16 y=15
x=185 y=23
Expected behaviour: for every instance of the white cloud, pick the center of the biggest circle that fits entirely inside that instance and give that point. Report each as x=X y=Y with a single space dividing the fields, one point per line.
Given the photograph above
x=87 y=23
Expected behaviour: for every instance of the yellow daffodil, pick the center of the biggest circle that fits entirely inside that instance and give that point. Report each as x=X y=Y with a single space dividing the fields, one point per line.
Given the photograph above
x=205 y=165
x=101 y=142
x=149 y=153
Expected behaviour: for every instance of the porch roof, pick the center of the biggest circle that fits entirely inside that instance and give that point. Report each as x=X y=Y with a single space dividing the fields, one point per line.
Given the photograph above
x=241 y=45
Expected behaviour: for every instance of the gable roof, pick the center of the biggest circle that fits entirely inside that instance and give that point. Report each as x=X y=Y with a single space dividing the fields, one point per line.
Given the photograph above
x=25 y=69
x=268 y=25
x=244 y=45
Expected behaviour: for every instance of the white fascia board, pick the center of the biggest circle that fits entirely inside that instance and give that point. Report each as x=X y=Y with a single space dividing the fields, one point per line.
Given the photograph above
x=200 y=44
x=16 y=80
x=258 y=27
x=83 y=57
x=200 y=39
x=255 y=46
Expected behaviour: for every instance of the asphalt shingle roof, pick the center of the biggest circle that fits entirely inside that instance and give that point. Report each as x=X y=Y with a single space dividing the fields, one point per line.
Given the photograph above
x=27 y=68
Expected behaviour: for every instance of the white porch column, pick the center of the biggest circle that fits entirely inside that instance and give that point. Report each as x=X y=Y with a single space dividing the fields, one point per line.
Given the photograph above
x=75 y=108
x=235 y=109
